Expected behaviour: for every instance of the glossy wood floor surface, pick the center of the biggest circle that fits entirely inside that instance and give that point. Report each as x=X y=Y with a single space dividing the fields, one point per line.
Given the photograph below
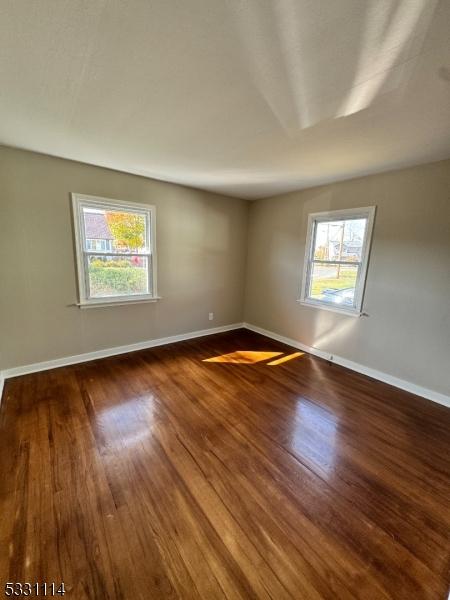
x=159 y=475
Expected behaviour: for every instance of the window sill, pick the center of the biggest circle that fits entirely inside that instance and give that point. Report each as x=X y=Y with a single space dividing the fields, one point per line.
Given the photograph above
x=341 y=311
x=118 y=302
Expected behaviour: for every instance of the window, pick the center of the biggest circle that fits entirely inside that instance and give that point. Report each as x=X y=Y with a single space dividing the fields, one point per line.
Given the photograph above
x=336 y=259
x=115 y=248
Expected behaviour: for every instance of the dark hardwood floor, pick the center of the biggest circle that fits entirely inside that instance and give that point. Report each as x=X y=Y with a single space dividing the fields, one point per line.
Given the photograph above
x=159 y=475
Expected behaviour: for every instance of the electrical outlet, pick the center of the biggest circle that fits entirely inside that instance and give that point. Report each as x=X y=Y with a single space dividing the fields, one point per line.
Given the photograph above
x=211 y=316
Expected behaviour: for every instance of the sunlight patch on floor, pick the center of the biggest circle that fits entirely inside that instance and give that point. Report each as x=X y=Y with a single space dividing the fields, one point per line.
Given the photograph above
x=250 y=357
x=283 y=359
x=243 y=356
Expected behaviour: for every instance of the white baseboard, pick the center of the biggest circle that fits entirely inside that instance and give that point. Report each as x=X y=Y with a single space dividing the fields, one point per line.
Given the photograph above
x=80 y=358
x=344 y=362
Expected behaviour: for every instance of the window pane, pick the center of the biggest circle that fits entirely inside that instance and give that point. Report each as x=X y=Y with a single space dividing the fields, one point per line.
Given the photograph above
x=115 y=231
x=334 y=284
x=340 y=240
x=111 y=275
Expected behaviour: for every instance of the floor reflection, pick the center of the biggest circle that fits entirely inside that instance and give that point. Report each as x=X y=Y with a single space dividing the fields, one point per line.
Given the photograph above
x=128 y=423
x=314 y=435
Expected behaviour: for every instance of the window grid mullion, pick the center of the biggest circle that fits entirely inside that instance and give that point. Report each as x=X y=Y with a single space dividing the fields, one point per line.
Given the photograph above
x=129 y=254
x=336 y=262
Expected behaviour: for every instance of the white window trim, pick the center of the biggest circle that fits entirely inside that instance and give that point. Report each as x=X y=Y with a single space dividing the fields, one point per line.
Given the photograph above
x=354 y=213
x=80 y=200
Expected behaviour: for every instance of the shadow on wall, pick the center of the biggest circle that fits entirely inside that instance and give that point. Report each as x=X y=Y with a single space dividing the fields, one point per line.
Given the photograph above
x=296 y=73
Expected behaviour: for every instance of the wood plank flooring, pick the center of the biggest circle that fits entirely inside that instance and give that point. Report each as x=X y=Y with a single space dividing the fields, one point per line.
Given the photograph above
x=159 y=475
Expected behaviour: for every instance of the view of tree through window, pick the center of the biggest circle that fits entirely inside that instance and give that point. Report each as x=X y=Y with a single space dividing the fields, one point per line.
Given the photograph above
x=116 y=252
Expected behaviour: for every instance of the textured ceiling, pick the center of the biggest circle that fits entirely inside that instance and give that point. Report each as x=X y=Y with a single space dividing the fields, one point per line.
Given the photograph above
x=244 y=97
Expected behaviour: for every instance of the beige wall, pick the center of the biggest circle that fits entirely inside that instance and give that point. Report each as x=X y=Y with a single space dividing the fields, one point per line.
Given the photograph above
x=407 y=334
x=201 y=243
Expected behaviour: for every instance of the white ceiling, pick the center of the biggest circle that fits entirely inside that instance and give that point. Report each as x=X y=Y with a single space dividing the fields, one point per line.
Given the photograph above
x=244 y=97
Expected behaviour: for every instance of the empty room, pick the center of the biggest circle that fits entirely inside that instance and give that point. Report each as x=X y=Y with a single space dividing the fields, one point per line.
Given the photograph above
x=225 y=299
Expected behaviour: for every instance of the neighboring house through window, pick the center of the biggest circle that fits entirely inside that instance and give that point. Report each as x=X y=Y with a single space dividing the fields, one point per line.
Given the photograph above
x=115 y=250
x=98 y=234
x=336 y=259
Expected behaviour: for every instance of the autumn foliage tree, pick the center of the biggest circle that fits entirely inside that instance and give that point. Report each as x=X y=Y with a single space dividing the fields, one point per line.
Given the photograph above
x=128 y=230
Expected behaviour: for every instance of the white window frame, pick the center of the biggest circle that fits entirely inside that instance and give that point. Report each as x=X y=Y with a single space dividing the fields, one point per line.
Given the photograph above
x=338 y=215
x=80 y=201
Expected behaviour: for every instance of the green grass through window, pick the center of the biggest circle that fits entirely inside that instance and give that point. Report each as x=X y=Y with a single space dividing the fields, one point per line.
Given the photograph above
x=346 y=279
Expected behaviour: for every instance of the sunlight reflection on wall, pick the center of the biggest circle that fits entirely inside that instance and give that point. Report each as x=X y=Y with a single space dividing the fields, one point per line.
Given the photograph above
x=323 y=337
